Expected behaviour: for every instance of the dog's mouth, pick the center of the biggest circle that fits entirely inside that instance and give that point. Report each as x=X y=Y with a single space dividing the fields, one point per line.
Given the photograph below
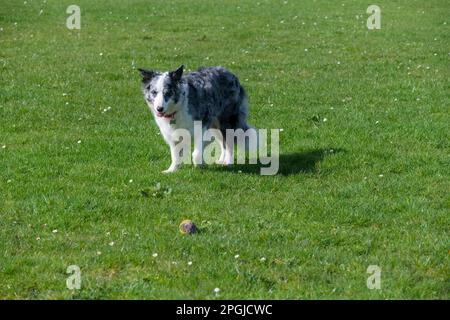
x=166 y=115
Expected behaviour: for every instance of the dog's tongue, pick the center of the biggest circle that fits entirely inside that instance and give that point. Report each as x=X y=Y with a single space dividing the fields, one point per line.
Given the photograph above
x=160 y=114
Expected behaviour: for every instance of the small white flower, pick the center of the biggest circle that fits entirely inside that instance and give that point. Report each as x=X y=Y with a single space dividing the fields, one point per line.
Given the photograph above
x=381 y=175
x=55 y=231
x=79 y=141
x=190 y=263
x=262 y=259
x=281 y=130
x=38 y=238
x=111 y=243
x=377 y=122
x=130 y=181
x=3 y=147
x=325 y=119
x=101 y=53
x=306 y=49
x=99 y=253
x=154 y=255
x=236 y=256
x=216 y=290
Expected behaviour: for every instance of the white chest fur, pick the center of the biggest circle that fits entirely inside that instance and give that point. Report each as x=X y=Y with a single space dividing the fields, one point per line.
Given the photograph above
x=182 y=120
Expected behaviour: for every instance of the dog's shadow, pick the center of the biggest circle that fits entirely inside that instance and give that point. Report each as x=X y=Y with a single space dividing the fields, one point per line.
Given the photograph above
x=289 y=164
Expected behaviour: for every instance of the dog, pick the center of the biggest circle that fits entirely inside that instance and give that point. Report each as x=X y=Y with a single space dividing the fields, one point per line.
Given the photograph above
x=212 y=95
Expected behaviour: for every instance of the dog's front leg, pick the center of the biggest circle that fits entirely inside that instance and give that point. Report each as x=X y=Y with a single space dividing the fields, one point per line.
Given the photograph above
x=175 y=159
x=197 y=155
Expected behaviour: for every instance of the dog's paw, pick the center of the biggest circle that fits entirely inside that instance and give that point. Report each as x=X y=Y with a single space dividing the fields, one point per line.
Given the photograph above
x=198 y=165
x=221 y=162
x=170 y=170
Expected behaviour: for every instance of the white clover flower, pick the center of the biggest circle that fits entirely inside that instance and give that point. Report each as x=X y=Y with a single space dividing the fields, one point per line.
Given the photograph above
x=216 y=290
x=154 y=255
x=111 y=243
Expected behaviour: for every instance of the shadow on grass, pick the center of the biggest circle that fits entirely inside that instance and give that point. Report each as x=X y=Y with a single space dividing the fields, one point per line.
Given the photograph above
x=292 y=163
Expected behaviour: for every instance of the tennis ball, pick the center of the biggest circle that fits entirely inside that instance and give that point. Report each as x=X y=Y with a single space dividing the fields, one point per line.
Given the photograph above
x=187 y=227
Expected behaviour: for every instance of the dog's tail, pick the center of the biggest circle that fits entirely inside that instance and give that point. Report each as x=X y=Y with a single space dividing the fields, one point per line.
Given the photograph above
x=242 y=123
x=243 y=111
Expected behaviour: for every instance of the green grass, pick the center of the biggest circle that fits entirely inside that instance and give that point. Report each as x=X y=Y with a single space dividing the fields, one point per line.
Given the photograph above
x=381 y=198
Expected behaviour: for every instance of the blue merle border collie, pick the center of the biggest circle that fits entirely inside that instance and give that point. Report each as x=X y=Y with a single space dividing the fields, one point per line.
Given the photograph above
x=212 y=95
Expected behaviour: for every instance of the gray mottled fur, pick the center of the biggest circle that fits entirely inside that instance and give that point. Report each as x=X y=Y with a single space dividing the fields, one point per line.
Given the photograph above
x=214 y=96
x=215 y=93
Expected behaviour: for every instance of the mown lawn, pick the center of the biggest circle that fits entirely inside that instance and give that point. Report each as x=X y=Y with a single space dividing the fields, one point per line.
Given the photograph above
x=365 y=152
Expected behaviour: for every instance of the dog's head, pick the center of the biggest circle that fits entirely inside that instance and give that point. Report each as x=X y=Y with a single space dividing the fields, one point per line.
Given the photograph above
x=162 y=91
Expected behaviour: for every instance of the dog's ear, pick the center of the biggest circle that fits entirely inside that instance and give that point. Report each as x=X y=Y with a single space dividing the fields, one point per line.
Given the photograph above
x=176 y=75
x=147 y=74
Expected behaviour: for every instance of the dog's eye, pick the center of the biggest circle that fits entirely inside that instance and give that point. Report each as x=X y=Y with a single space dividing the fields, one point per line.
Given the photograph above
x=154 y=92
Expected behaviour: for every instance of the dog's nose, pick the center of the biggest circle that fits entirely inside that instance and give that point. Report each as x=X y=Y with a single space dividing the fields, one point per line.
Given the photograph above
x=159 y=109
